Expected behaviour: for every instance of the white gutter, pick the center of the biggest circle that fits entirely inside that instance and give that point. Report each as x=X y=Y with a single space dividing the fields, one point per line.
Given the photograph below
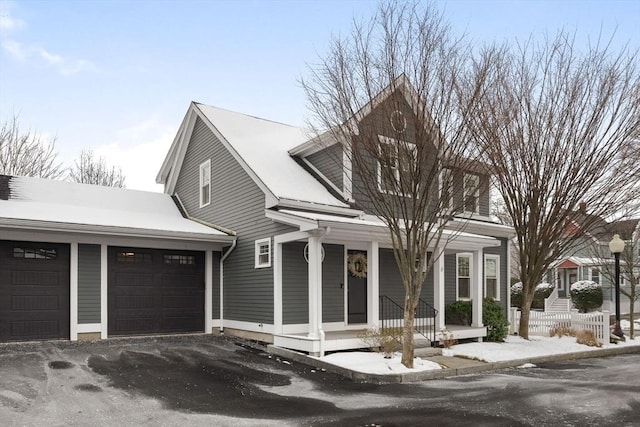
x=224 y=257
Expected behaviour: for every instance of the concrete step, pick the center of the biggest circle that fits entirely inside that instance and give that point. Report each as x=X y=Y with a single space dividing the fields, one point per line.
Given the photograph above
x=427 y=352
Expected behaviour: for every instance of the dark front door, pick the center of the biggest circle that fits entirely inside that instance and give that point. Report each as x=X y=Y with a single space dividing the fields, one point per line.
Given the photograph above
x=357 y=287
x=155 y=291
x=34 y=291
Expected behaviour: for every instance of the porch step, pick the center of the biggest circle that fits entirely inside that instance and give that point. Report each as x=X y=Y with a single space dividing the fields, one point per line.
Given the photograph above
x=421 y=342
x=561 y=304
x=427 y=352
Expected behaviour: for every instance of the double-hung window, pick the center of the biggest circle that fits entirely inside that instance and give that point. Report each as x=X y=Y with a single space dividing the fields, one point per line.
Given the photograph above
x=205 y=183
x=396 y=164
x=471 y=192
x=492 y=276
x=595 y=275
x=464 y=276
x=263 y=253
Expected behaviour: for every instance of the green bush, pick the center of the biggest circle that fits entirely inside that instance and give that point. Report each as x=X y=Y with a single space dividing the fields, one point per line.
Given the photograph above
x=516 y=295
x=493 y=317
x=543 y=290
x=458 y=313
x=586 y=295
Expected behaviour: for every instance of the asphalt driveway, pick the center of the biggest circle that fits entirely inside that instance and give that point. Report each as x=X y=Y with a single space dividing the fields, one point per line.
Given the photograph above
x=205 y=380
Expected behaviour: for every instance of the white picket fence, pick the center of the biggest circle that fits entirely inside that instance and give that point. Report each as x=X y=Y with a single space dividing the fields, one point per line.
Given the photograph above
x=541 y=323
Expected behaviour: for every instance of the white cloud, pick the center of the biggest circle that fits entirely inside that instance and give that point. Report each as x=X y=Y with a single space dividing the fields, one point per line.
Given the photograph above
x=14 y=49
x=8 y=22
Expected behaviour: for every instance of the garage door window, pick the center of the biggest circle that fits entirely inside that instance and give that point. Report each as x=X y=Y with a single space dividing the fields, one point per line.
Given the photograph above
x=134 y=257
x=180 y=259
x=34 y=253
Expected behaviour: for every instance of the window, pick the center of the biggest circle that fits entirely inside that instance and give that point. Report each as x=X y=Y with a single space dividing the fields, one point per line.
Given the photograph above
x=446 y=188
x=595 y=275
x=395 y=166
x=471 y=193
x=492 y=276
x=263 y=253
x=133 y=257
x=35 y=253
x=180 y=259
x=464 y=276
x=205 y=183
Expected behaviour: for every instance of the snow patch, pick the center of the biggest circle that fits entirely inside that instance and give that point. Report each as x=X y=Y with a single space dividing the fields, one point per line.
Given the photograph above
x=584 y=285
x=375 y=363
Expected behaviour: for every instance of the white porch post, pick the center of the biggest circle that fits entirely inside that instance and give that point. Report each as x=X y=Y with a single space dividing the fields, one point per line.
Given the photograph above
x=277 y=286
x=373 y=282
x=104 y=278
x=73 y=292
x=315 y=286
x=208 y=292
x=438 y=287
x=476 y=289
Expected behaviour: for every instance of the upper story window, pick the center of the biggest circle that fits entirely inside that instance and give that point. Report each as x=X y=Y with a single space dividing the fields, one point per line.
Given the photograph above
x=396 y=161
x=463 y=276
x=263 y=253
x=205 y=183
x=492 y=276
x=446 y=188
x=471 y=193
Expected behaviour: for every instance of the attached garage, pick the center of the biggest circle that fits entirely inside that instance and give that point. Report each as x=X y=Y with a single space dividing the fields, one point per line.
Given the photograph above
x=153 y=291
x=34 y=291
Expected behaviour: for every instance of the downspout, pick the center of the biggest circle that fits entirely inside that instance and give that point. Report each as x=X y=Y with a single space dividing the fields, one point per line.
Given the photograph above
x=224 y=257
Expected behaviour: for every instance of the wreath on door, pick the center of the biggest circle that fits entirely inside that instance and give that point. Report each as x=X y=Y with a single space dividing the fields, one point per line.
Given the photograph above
x=357 y=264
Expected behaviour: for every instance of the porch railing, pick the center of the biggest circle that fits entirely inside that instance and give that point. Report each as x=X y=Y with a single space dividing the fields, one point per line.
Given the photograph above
x=424 y=323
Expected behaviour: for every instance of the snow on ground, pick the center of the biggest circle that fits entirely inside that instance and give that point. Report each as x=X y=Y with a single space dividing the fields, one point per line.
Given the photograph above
x=625 y=324
x=512 y=349
x=375 y=363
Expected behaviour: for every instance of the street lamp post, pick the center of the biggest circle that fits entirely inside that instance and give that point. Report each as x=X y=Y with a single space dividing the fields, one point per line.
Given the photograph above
x=617 y=246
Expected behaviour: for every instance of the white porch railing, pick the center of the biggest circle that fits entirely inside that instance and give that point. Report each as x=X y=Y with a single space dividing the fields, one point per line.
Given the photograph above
x=541 y=323
x=548 y=302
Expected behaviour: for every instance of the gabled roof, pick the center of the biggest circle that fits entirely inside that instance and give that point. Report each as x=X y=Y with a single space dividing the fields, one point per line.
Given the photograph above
x=261 y=147
x=36 y=203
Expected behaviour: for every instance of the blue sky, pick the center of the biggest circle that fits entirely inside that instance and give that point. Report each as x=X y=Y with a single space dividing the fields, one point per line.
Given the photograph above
x=118 y=76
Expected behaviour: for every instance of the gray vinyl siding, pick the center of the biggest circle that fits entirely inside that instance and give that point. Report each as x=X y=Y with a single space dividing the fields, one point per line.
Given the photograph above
x=329 y=163
x=333 y=283
x=237 y=203
x=391 y=281
x=215 y=297
x=504 y=274
x=88 y=284
x=295 y=284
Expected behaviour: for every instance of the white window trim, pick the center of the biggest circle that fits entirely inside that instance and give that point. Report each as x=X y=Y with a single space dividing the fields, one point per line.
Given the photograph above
x=258 y=244
x=458 y=256
x=477 y=193
x=204 y=165
x=497 y=258
x=395 y=143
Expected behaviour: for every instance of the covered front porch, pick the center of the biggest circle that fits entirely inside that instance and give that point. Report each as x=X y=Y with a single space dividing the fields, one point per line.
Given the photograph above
x=330 y=276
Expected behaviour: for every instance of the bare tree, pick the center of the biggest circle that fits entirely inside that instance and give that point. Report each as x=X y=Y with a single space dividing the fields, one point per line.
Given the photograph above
x=554 y=128
x=26 y=154
x=89 y=170
x=389 y=95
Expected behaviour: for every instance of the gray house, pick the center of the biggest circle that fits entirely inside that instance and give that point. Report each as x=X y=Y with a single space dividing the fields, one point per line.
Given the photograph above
x=310 y=263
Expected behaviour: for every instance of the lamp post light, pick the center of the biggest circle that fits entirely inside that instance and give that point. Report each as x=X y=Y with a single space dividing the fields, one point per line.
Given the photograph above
x=617 y=246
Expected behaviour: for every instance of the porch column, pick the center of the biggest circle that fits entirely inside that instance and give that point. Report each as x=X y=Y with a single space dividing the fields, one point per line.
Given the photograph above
x=208 y=291
x=315 y=286
x=73 y=292
x=104 y=278
x=277 y=286
x=476 y=289
x=373 y=282
x=438 y=287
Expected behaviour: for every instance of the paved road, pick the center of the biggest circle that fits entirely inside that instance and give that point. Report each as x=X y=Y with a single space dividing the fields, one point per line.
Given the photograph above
x=206 y=380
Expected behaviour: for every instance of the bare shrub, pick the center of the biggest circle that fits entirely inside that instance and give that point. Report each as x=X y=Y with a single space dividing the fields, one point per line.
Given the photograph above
x=386 y=340
x=587 y=337
x=448 y=339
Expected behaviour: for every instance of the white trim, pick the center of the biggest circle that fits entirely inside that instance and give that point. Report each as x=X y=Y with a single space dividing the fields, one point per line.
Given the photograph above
x=249 y=326
x=277 y=285
x=104 y=279
x=373 y=284
x=470 y=277
x=347 y=175
x=87 y=328
x=316 y=207
x=73 y=292
x=314 y=272
x=208 y=291
x=322 y=176
x=508 y=278
x=497 y=259
x=173 y=162
x=438 y=287
x=476 y=289
x=395 y=143
x=257 y=246
x=203 y=177
x=302 y=328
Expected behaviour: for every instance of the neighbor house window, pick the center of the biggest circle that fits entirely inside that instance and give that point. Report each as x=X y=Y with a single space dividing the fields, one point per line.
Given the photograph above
x=446 y=188
x=34 y=253
x=492 y=276
x=205 y=183
x=595 y=275
x=464 y=276
x=471 y=192
x=395 y=165
x=263 y=253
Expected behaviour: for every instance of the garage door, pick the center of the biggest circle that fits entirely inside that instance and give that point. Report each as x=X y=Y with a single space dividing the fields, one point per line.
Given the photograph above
x=155 y=291
x=34 y=291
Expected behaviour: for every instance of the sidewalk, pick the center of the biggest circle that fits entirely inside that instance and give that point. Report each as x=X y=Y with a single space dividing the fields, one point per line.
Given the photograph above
x=454 y=365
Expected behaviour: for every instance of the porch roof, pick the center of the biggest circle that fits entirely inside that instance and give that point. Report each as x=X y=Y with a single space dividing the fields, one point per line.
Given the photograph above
x=370 y=228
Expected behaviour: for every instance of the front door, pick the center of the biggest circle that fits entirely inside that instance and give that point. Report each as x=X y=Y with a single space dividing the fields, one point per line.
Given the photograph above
x=356 y=287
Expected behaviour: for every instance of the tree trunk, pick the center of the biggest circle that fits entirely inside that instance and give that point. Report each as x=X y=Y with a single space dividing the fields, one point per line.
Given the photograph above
x=631 y=318
x=523 y=328
x=407 y=333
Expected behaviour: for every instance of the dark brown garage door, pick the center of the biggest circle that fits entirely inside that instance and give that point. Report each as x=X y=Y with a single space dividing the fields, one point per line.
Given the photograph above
x=155 y=291
x=34 y=291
